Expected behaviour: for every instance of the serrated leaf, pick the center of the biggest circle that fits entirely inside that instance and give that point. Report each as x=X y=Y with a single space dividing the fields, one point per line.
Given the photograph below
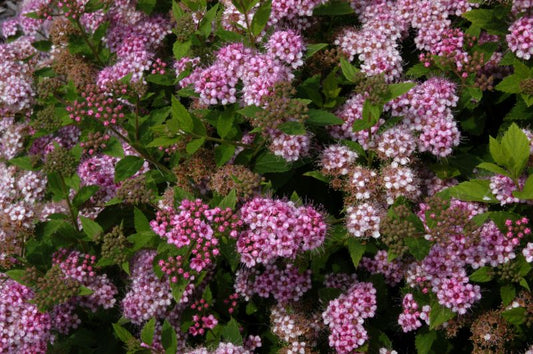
x=314 y=48
x=510 y=84
x=527 y=191
x=398 y=89
x=481 y=275
x=147 y=333
x=515 y=145
x=418 y=70
x=16 y=274
x=224 y=123
x=348 y=70
x=333 y=8
x=23 y=162
x=83 y=195
x=146 y=6
x=181 y=116
x=261 y=16
x=508 y=294
x=224 y=153
x=251 y=308
x=43 y=46
x=476 y=190
x=322 y=118
x=317 y=175
x=84 y=291
x=181 y=49
x=231 y=332
x=270 y=163
x=113 y=148
x=169 y=338
x=162 y=80
x=127 y=167
x=250 y=111
x=438 y=315
x=206 y=26
x=122 y=333
x=516 y=316
x=229 y=201
x=356 y=249
x=194 y=145
x=493 y=168
x=91 y=227
x=418 y=247
x=424 y=342
x=140 y=221
x=292 y=128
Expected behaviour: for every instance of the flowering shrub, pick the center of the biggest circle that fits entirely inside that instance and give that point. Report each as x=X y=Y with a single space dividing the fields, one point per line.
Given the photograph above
x=270 y=176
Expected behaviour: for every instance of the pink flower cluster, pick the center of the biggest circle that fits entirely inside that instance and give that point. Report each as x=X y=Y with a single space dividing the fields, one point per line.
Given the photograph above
x=285 y=285
x=410 y=318
x=78 y=266
x=201 y=322
x=148 y=295
x=97 y=105
x=346 y=315
x=520 y=38
x=23 y=329
x=393 y=271
x=275 y=228
x=197 y=226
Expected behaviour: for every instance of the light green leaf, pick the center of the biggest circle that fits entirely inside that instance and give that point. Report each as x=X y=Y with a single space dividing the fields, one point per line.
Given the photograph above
x=147 y=333
x=348 y=70
x=231 y=332
x=322 y=118
x=476 y=190
x=91 y=227
x=481 y=275
x=515 y=145
x=261 y=17
x=356 y=249
x=127 y=167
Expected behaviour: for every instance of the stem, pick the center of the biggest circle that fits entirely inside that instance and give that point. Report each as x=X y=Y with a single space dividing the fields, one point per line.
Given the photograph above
x=142 y=153
x=73 y=217
x=249 y=29
x=88 y=42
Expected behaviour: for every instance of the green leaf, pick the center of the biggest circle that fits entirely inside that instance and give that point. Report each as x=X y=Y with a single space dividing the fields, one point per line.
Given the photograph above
x=317 y=175
x=250 y=111
x=23 y=162
x=147 y=333
x=114 y=148
x=83 y=195
x=333 y=8
x=251 y=308
x=194 y=145
x=140 y=221
x=146 y=6
x=510 y=84
x=122 y=333
x=224 y=153
x=348 y=70
x=424 y=342
x=127 y=167
x=396 y=90
x=91 y=227
x=261 y=17
x=231 y=332
x=508 y=294
x=162 y=80
x=83 y=291
x=163 y=142
x=206 y=26
x=229 y=201
x=527 y=191
x=496 y=151
x=419 y=247
x=314 y=48
x=516 y=315
x=356 y=249
x=225 y=123
x=493 y=168
x=169 y=338
x=439 y=315
x=476 y=190
x=515 y=145
x=16 y=274
x=328 y=294
x=270 y=163
x=292 y=128
x=181 y=116
x=43 y=46
x=322 y=118
x=417 y=71
x=487 y=19
x=181 y=49
x=93 y=5
x=482 y=275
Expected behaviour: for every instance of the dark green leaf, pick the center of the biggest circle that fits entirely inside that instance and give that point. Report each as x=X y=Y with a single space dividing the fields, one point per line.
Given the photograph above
x=482 y=275
x=401 y=88
x=23 y=162
x=181 y=50
x=313 y=48
x=91 y=227
x=206 y=26
x=356 y=249
x=261 y=17
x=225 y=123
x=510 y=84
x=516 y=315
x=348 y=70
x=113 y=148
x=181 y=116
x=169 y=338
x=439 y=315
x=270 y=163
x=146 y=6
x=43 y=46
x=424 y=342
x=527 y=191
x=127 y=167
x=163 y=80
x=476 y=190
x=194 y=145
x=333 y=8
x=224 y=153
x=147 y=333
x=508 y=294
x=122 y=333
x=322 y=118
x=292 y=128
x=419 y=247
x=317 y=175
x=83 y=195
x=231 y=332
x=229 y=201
